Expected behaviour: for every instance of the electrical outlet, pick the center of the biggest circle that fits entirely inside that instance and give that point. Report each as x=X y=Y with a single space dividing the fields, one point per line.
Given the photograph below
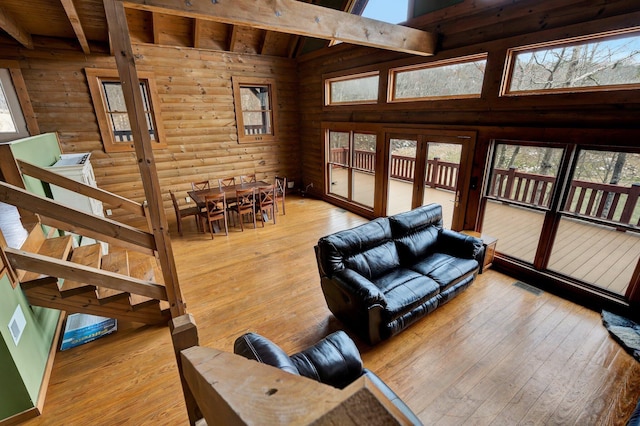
x=188 y=199
x=109 y=212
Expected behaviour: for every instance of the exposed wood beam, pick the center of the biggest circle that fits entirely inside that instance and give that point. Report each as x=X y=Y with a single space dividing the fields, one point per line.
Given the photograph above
x=232 y=38
x=294 y=17
x=197 y=32
x=8 y=23
x=72 y=14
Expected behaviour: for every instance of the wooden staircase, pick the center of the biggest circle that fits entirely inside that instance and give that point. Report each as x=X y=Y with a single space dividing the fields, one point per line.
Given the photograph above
x=78 y=296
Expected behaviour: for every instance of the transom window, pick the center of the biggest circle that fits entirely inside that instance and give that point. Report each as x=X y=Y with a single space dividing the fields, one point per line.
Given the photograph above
x=352 y=89
x=111 y=111
x=254 y=102
x=600 y=62
x=452 y=79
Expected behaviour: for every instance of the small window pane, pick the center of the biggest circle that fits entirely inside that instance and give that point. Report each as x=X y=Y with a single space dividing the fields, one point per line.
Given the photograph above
x=354 y=90
x=459 y=80
x=117 y=110
x=7 y=125
x=339 y=147
x=597 y=63
x=256 y=123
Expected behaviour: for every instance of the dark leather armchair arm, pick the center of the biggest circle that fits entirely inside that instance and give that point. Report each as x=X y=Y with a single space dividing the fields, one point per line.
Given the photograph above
x=334 y=360
x=359 y=287
x=459 y=245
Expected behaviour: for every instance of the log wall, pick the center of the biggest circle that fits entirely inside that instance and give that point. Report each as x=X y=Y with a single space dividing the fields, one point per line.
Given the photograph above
x=197 y=112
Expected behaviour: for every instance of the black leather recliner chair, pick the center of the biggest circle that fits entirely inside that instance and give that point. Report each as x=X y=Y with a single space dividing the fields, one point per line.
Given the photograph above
x=334 y=360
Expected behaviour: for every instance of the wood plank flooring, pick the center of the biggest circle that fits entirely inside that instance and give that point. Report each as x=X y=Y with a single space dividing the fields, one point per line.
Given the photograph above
x=495 y=355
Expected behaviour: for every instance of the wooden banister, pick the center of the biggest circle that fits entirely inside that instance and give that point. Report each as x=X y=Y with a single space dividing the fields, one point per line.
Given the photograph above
x=70 y=219
x=107 y=197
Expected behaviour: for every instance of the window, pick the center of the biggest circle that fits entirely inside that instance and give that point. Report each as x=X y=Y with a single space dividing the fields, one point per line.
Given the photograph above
x=602 y=62
x=351 y=159
x=12 y=123
x=255 y=114
x=111 y=111
x=353 y=89
x=452 y=79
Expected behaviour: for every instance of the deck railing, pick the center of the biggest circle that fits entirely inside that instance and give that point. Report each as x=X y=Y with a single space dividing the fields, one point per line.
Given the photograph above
x=440 y=174
x=601 y=201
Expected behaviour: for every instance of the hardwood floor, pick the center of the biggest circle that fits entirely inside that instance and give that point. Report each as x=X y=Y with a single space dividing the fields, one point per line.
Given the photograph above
x=497 y=354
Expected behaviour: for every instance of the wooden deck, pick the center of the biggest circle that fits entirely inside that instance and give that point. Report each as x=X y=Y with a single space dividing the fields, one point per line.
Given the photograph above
x=496 y=354
x=595 y=254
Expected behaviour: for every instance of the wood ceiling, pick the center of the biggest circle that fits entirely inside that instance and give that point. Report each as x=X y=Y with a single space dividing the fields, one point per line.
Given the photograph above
x=84 y=22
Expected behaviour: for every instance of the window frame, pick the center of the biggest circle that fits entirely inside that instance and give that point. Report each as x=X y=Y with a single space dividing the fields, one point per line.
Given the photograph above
x=95 y=77
x=238 y=82
x=391 y=97
x=507 y=75
x=24 y=106
x=342 y=78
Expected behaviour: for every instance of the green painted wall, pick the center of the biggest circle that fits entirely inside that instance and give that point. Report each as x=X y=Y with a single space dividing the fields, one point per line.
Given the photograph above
x=22 y=366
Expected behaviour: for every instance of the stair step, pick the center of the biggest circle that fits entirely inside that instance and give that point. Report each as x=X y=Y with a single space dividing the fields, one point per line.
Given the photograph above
x=58 y=248
x=143 y=269
x=85 y=255
x=118 y=262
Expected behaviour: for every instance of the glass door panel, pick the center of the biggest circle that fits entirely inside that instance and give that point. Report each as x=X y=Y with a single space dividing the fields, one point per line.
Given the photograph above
x=402 y=166
x=338 y=164
x=441 y=184
x=364 y=170
x=521 y=186
x=598 y=239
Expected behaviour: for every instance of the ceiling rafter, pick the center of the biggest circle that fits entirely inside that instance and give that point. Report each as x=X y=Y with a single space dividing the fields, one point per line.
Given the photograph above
x=72 y=14
x=294 y=17
x=8 y=23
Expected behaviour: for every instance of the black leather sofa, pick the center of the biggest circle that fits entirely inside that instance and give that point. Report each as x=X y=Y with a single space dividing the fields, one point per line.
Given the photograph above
x=334 y=360
x=382 y=276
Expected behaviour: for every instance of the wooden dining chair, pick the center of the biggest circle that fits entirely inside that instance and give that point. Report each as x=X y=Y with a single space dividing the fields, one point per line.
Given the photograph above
x=180 y=213
x=280 y=184
x=245 y=204
x=215 y=210
x=266 y=202
x=226 y=182
x=203 y=184
x=248 y=178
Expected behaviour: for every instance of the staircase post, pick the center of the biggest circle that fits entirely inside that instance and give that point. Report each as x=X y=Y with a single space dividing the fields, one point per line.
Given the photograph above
x=184 y=335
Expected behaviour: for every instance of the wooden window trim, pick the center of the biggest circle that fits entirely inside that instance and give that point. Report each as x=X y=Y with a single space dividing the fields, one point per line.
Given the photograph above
x=329 y=80
x=237 y=83
x=391 y=95
x=94 y=77
x=513 y=52
x=23 y=95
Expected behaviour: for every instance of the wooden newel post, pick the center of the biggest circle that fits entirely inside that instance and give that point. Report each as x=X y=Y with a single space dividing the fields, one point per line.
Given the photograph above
x=629 y=206
x=184 y=335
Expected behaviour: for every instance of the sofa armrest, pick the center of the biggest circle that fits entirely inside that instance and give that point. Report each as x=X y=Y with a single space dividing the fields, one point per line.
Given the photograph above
x=392 y=396
x=334 y=360
x=459 y=245
x=359 y=287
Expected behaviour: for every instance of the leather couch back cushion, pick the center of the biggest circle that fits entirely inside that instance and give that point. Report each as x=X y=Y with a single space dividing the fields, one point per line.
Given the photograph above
x=376 y=261
x=416 y=231
x=259 y=348
x=345 y=246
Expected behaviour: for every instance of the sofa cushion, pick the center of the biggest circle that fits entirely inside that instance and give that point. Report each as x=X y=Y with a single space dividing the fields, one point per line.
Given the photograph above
x=405 y=289
x=359 y=247
x=445 y=269
x=416 y=232
x=258 y=348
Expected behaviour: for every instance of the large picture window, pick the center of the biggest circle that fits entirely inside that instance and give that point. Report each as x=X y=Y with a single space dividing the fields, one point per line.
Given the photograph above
x=452 y=79
x=255 y=113
x=602 y=62
x=111 y=111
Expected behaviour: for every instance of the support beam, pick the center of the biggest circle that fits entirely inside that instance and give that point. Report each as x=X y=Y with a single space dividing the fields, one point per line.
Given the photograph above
x=125 y=62
x=8 y=23
x=294 y=17
x=72 y=14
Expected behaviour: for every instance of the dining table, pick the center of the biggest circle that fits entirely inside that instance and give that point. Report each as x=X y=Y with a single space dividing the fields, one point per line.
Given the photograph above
x=198 y=196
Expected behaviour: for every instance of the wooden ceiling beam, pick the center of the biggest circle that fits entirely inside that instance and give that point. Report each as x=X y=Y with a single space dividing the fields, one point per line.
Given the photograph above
x=294 y=17
x=72 y=14
x=8 y=23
